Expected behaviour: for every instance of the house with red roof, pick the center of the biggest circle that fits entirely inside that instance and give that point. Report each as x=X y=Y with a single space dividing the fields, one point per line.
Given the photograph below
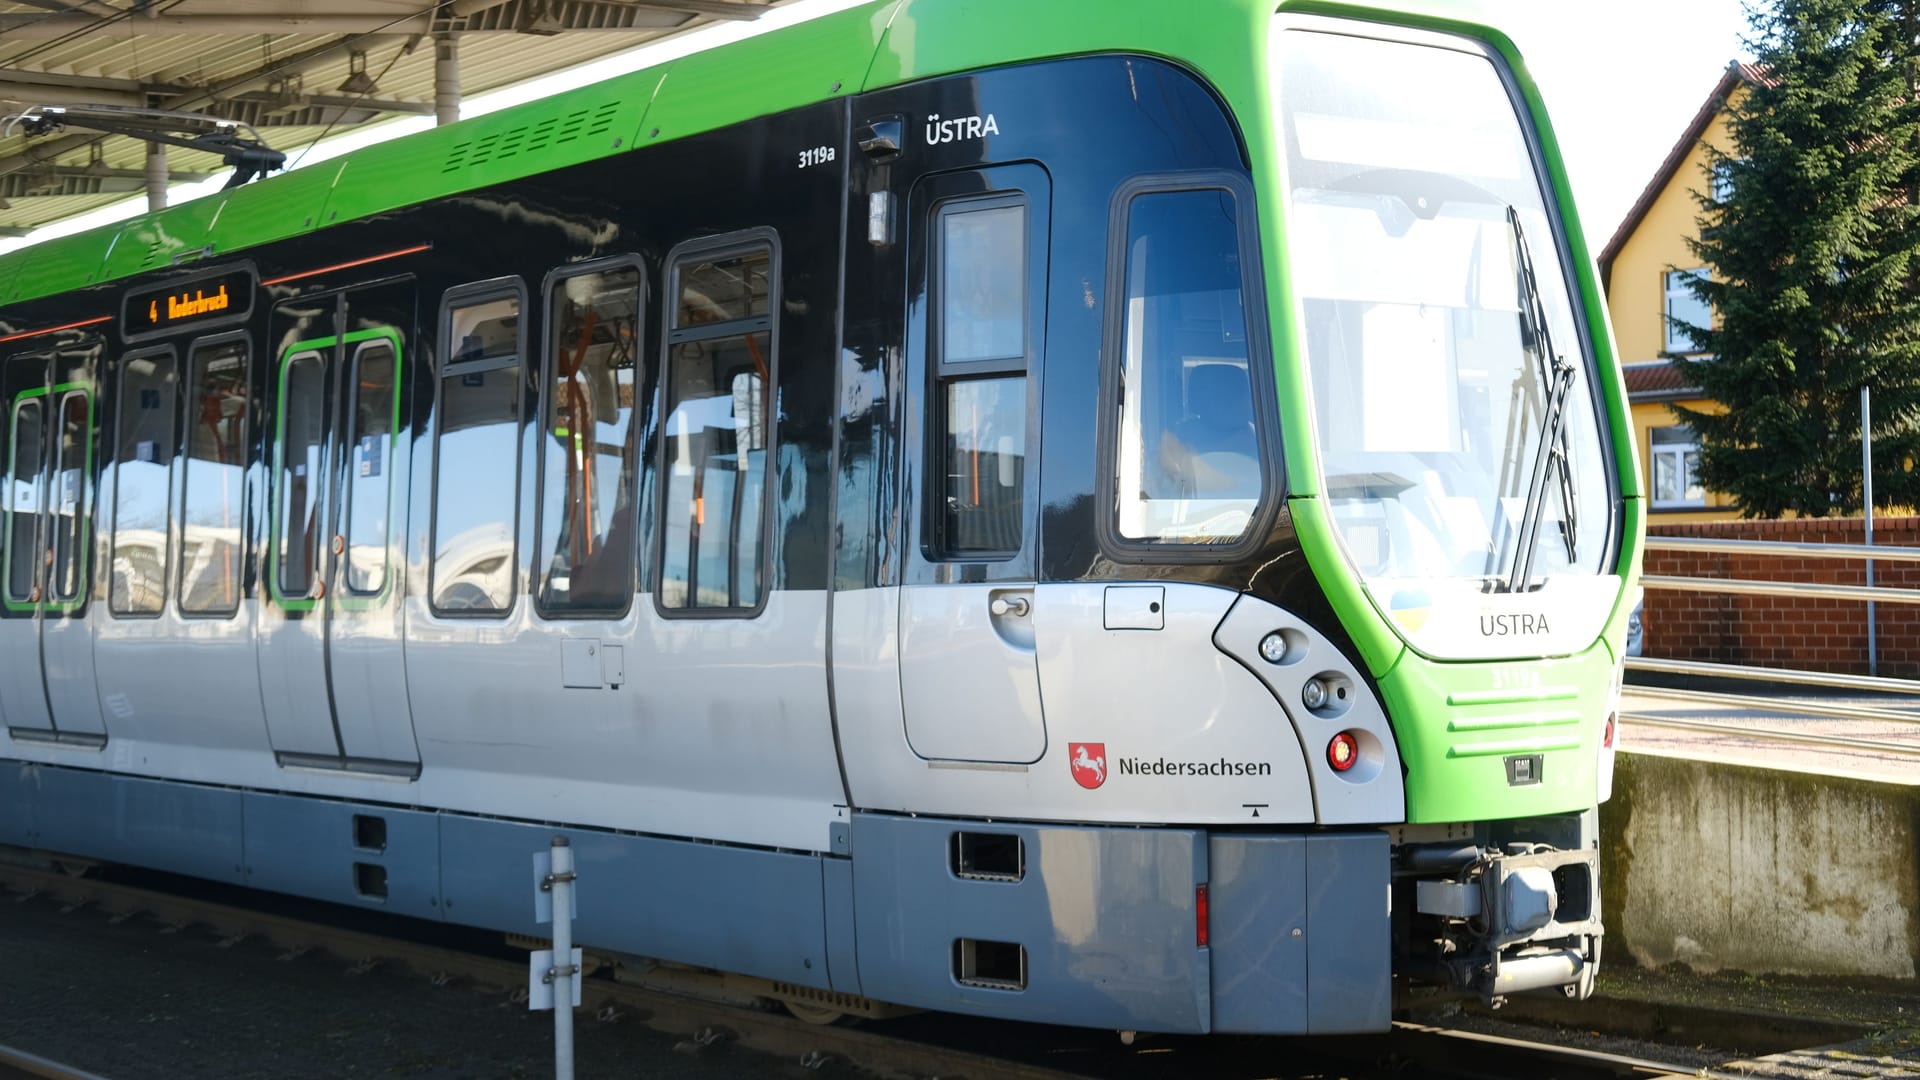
x=1644 y=269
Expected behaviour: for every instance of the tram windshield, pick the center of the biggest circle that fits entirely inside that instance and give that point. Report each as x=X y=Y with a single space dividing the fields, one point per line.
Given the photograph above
x=1413 y=205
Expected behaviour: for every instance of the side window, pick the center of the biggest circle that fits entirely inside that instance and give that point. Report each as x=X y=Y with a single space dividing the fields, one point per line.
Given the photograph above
x=1188 y=468
x=26 y=455
x=303 y=417
x=588 y=453
x=714 y=444
x=146 y=425
x=476 y=458
x=71 y=504
x=980 y=375
x=213 y=482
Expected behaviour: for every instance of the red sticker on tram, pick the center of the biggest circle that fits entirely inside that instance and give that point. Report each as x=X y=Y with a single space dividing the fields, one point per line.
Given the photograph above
x=1088 y=760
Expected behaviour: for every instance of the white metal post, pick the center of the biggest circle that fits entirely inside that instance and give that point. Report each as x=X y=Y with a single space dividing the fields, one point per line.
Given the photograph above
x=563 y=968
x=1866 y=497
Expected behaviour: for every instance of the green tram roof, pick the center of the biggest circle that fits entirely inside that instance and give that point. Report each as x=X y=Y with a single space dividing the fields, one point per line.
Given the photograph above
x=879 y=44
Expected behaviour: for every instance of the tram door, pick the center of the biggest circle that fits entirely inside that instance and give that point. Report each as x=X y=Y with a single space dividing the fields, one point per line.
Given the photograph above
x=976 y=249
x=331 y=661
x=48 y=688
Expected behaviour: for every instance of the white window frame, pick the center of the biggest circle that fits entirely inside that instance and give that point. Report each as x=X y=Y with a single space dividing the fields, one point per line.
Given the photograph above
x=1677 y=451
x=1720 y=179
x=1676 y=339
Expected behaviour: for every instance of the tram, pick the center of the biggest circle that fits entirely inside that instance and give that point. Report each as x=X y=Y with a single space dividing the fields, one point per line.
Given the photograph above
x=1114 y=514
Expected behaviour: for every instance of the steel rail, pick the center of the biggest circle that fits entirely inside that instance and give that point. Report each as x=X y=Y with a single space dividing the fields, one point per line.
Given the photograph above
x=1782 y=547
x=1776 y=705
x=1829 y=679
x=19 y=1062
x=1497 y=1055
x=1875 y=745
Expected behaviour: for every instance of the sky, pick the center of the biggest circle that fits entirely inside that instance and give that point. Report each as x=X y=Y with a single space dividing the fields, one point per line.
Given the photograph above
x=1621 y=78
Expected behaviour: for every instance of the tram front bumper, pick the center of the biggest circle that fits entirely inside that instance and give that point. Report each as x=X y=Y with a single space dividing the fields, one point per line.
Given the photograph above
x=1502 y=922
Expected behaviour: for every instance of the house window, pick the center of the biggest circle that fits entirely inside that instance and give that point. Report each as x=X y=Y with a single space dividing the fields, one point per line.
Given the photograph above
x=1685 y=310
x=1676 y=468
x=1720 y=175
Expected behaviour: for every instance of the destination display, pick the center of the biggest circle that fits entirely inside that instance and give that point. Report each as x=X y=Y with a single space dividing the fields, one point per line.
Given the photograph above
x=205 y=300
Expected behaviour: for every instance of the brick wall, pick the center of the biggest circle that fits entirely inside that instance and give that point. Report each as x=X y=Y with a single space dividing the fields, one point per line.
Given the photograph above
x=1780 y=631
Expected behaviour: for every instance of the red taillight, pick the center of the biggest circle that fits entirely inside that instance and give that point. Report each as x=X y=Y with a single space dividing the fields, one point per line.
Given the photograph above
x=1200 y=916
x=1343 y=752
x=1607 y=739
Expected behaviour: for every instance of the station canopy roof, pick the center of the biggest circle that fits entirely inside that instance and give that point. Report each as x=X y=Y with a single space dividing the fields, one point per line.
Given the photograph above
x=294 y=70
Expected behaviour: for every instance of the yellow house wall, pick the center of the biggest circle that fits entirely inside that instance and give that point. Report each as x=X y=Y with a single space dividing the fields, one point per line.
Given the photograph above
x=1637 y=289
x=1637 y=304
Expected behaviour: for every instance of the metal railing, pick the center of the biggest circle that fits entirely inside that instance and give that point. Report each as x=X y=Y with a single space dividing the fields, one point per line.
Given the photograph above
x=1822 y=679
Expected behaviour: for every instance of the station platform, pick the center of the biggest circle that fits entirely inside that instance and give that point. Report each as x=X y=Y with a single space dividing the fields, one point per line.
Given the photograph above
x=1772 y=843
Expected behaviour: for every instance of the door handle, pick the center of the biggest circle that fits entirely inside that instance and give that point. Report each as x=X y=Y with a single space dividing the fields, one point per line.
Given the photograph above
x=1014 y=606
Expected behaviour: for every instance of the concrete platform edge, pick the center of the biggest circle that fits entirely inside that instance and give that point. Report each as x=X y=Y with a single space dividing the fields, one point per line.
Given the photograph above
x=1725 y=867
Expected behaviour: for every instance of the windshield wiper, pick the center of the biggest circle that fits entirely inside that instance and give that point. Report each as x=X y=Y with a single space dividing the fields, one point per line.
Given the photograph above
x=1537 y=339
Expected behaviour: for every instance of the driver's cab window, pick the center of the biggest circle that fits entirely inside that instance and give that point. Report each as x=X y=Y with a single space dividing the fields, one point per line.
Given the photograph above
x=1189 y=463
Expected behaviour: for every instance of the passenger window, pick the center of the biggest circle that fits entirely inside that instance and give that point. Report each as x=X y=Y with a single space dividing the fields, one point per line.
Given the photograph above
x=213 y=483
x=303 y=413
x=980 y=422
x=476 y=460
x=714 y=442
x=23 y=499
x=985 y=449
x=1189 y=468
x=72 y=523
x=983 y=286
x=145 y=430
x=588 y=455
x=370 y=469
x=722 y=289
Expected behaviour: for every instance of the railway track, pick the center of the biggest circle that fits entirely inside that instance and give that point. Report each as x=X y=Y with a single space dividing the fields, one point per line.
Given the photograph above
x=1888 y=732
x=917 y=1047
x=1756 y=731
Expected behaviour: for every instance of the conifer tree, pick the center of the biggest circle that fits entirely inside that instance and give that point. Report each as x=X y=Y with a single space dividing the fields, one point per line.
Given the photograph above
x=1815 y=257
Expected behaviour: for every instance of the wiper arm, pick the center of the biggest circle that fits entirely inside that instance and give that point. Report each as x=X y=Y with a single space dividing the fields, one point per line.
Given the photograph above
x=1537 y=339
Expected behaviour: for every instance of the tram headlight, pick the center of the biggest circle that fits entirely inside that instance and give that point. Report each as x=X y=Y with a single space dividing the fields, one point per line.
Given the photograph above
x=1314 y=694
x=1273 y=648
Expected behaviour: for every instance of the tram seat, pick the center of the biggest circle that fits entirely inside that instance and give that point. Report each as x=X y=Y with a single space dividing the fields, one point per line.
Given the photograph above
x=1216 y=440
